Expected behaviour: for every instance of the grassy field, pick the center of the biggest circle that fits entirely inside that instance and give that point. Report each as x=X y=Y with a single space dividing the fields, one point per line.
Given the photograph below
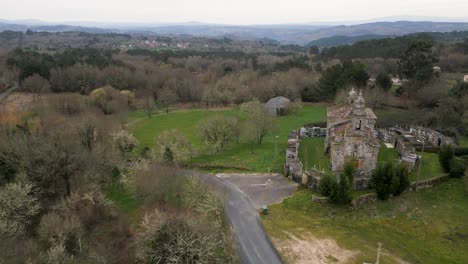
x=428 y=226
x=146 y=130
x=311 y=153
x=430 y=166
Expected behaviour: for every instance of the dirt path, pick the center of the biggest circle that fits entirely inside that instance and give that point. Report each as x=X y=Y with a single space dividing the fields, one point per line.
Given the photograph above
x=309 y=249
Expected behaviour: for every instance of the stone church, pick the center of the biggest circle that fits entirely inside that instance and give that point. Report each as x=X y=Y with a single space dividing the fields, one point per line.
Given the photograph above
x=351 y=136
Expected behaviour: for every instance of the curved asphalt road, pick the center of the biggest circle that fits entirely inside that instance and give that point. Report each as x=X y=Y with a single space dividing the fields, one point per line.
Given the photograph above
x=5 y=94
x=254 y=245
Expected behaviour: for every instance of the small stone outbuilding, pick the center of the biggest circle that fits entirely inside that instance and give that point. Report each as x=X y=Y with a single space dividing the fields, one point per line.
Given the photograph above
x=278 y=105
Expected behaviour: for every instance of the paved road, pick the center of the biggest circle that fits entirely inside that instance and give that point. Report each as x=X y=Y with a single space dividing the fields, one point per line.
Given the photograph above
x=262 y=188
x=254 y=245
x=7 y=92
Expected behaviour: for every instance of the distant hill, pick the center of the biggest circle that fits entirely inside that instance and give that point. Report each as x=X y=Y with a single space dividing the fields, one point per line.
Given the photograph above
x=342 y=40
x=390 y=47
x=285 y=34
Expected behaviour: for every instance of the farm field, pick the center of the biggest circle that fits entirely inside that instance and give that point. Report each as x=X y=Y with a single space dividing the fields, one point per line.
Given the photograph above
x=263 y=158
x=428 y=226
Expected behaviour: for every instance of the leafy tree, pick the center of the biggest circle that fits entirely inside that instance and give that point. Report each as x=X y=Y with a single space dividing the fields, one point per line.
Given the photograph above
x=331 y=81
x=416 y=63
x=450 y=113
x=336 y=77
x=355 y=73
x=445 y=157
x=384 y=81
x=457 y=168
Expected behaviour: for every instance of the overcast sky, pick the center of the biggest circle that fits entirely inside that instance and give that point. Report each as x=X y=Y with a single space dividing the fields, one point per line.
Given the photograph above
x=227 y=11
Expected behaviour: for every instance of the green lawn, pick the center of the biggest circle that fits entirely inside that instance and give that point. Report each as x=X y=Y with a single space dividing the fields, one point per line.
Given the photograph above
x=311 y=153
x=430 y=167
x=429 y=226
x=146 y=130
x=387 y=154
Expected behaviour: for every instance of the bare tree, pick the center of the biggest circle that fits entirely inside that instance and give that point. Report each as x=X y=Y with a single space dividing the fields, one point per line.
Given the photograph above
x=219 y=131
x=18 y=206
x=260 y=122
x=174 y=142
x=124 y=141
x=166 y=98
x=36 y=84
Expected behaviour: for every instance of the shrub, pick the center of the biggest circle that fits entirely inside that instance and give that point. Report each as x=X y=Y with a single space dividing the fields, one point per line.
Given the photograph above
x=460 y=151
x=384 y=181
x=344 y=190
x=326 y=185
x=445 y=156
x=340 y=192
x=457 y=168
x=349 y=171
x=402 y=174
x=334 y=192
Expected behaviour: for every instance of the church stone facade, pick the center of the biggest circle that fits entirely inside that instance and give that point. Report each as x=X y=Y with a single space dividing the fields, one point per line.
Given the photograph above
x=351 y=136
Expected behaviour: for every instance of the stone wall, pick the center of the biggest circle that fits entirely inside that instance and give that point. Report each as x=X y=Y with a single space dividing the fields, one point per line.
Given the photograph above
x=293 y=166
x=363 y=199
x=311 y=179
x=305 y=132
x=434 y=137
x=429 y=182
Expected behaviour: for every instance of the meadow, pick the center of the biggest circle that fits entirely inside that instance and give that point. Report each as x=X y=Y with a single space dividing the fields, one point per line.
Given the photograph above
x=428 y=226
x=263 y=158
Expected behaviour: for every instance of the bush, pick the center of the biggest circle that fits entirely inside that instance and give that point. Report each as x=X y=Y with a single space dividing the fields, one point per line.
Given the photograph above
x=460 y=151
x=349 y=171
x=344 y=190
x=457 y=168
x=340 y=192
x=384 y=181
x=326 y=185
x=402 y=174
x=445 y=157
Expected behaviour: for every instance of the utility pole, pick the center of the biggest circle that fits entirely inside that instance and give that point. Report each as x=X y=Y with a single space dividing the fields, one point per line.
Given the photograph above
x=420 y=161
x=378 y=252
x=276 y=141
